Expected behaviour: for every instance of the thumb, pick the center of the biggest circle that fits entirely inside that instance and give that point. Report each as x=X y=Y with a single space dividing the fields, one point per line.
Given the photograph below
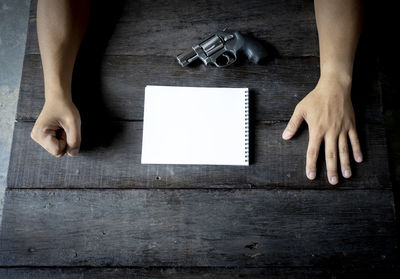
x=73 y=132
x=293 y=125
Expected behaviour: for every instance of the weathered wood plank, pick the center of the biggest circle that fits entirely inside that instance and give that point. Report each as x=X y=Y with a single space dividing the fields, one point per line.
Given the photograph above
x=147 y=273
x=114 y=85
x=149 y=27
x=216 y=228
x=111 y=158
x=197 y=273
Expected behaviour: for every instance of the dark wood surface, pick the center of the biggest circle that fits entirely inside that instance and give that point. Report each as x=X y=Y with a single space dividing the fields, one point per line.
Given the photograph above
x=104 y=215
x=215 y=228
x=191 y=273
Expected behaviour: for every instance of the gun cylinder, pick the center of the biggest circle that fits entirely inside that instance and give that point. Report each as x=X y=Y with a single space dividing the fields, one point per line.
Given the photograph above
x=212 y=45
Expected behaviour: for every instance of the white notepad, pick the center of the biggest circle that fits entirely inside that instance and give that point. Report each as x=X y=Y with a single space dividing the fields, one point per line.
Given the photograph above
x=195 y=125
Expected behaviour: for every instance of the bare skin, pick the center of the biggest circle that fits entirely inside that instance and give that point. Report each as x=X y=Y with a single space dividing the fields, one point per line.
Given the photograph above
x=61 y=26
x=328 y=109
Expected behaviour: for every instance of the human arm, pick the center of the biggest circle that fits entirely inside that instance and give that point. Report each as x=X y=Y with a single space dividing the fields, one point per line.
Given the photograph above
x=328 y=109
x=61 y=26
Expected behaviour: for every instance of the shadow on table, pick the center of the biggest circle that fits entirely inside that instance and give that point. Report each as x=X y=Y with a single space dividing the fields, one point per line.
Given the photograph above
x=376 y=76
x=381 y=21
x=98 y=128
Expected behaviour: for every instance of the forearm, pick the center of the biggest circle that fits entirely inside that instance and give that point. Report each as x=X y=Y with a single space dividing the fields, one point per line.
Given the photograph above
x=339 y=25
x=61 y=26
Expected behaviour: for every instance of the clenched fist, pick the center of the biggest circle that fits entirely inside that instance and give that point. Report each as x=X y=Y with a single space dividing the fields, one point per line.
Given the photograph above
x=58 y=127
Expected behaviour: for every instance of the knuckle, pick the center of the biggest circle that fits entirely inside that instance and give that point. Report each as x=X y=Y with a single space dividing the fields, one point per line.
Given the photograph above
x=74 y=142
x=57 y=152
x=300 y=111
x=333 y=131
x=57 y=155
x=35 y=131
x=353 y=136
x=69 y=120
x=345 y=166
x=54 y=153
x=317 y=129
x=53 y=149
x=312 y=153
x=291 y=125
x=42 y=129
x=331 y=155
x=321 y=127
x=72 y=119
x=356 y=144
x=332 y=170
x=33 y=135
x=343 y=150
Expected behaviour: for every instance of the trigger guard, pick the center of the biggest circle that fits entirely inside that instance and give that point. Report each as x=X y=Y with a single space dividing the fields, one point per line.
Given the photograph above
x=230 y=58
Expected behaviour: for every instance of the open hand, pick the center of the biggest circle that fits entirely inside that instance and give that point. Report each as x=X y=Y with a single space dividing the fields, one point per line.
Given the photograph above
x=329 y=114
x=58 y=128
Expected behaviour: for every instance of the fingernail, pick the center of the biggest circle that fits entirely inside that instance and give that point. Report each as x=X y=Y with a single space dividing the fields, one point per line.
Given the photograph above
x=347 y=173
x=311 y=174
x=73 y=152
x=334 y=179
x=286 y=134
x=358 y=159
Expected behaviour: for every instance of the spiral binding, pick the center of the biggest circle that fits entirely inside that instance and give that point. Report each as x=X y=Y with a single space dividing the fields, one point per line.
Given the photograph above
x=246 y=126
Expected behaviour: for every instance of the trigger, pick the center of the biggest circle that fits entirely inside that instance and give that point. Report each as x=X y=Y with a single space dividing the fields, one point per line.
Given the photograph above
x=225 y=59
x=229 y=57
x=222 y=60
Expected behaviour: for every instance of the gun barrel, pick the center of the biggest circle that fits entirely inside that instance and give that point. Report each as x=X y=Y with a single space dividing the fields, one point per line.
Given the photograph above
x=186 y=58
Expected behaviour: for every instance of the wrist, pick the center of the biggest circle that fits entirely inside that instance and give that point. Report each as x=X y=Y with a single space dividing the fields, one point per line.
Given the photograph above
x=337 y=73
x=334 y=84
x=57 y=92
x=341 y=78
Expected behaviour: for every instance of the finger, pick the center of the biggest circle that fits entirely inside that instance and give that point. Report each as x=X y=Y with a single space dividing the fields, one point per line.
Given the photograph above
x=55 y=146
x=331 y=159
x=293 y=125
x=314 y=144
x=50 y=142
x=73 y=133
x=344 y=156
x=355 y=146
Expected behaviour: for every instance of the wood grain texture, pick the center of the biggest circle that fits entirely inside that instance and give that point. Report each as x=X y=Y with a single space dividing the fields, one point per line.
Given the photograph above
x=149 y=27
x=147 y=273
x=215 y=228
x=199 y=272
x=116 y=162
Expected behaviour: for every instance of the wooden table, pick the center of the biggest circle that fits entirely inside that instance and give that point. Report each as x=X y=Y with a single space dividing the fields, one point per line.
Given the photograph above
x=104 y=215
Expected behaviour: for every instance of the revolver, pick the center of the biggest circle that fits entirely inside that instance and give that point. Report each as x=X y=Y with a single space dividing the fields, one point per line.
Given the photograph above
x=221 y=48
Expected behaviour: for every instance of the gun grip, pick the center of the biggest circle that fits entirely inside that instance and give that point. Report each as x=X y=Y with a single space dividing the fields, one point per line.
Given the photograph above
x=254 y=50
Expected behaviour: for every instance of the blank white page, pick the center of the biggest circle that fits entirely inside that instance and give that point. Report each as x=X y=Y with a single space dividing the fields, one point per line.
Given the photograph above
x=195 y=125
